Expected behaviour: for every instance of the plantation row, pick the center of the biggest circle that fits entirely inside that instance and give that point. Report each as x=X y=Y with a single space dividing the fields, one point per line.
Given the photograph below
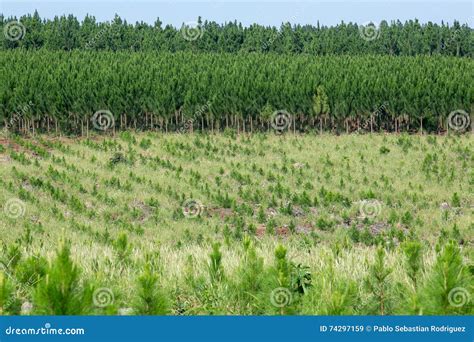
x=395 y=38
x=366 y=222
x=186 y=91
x=32 y=285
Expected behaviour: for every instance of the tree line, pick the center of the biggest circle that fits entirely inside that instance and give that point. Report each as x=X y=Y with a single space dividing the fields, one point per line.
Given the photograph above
x=58 y=90
x=395 y=38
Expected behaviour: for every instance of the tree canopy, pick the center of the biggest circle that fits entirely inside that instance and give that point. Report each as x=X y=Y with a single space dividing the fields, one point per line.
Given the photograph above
x=395 y=38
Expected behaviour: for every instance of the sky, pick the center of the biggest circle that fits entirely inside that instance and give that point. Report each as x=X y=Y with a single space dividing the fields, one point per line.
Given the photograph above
x=247 y=12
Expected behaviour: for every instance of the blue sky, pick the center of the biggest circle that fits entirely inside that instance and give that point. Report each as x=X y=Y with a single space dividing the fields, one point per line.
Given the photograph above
x=263 y=12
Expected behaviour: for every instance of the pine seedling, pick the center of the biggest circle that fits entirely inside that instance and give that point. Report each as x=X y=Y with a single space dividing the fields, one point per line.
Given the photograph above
x=337 y=298
x=189 y=271
x=456 y=234
x=150 y=299
x=378 y=285
x=261 y=217
x=282 y=296
x=12 y=257
x=250 y=275
x=409 y=296
x=270 y=228
x=282 y=267
x=61 y=292
x=216 y=271
x=9 y=303
x=122 y=248
x=413 y=260
x=30 y=271
x=450 y=285
x=456 y=200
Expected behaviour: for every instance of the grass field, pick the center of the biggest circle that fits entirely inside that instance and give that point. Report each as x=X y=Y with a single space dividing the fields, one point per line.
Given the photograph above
x=226 y=224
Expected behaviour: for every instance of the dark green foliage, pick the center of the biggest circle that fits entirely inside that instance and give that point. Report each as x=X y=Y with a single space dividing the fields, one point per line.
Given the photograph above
x=30 y=271
x=413 y=255
x=145 y=143
x=11 y=257
x=396 y=38
x=324 y=224
x=114 y=76
x=331 y=295
x=384 y=150
x=456 y=200
x=301 y=279
x=282 y=266
x=117 y=158
x=122 y=248
x=366 y=237
x=250 y=277
x=216 y=271
x=261 y=216
x=9 y=303
x=378 y=285
x=450 y=286
x=354 y=233
x=61 y=291
x=150 y=299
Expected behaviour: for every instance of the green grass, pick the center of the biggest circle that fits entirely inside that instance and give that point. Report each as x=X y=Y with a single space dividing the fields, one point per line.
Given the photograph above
x=331 y=201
